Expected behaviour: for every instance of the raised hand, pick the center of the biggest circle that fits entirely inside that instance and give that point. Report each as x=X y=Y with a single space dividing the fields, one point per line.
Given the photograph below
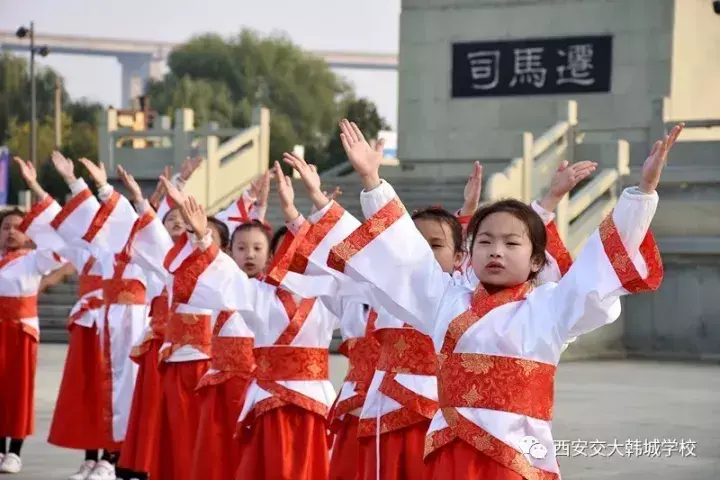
x=261 y=200
x=97 y=172
x=64 y=167
x=286 y=193
x=128 y=180
x=568 y=176
x=194 y=215
x=654 y=164
x=310 y=178
x=27 y=170
x=335 y=194
x=364 y=158
x=188 y=167
x=173 y=193
x=29 y=174
x=473 y=189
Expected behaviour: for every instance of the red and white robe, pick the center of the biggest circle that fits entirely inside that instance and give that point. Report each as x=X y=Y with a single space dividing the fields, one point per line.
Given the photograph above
x=77 y=418
x=21 y=272
x=357 y=326
x=139 y=450
x=125 y=287
x=222 y=393
x=402 y=398
x=291 y=384
x=497 y=354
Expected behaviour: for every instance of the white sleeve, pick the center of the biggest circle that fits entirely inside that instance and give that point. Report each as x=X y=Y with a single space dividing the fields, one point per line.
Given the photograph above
x=619 y=258
x=388 y=252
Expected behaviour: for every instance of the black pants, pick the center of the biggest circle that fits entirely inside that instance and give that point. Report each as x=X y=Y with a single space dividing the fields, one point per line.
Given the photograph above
x=15 y=445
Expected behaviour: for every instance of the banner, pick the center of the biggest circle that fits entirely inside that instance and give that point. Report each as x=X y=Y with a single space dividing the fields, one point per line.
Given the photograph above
x=4 y=175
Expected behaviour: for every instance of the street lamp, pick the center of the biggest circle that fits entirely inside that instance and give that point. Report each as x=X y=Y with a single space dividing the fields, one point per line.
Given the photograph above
x=43 y=51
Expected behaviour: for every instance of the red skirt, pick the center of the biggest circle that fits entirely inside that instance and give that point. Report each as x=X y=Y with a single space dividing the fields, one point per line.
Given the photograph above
x=401 y=454
x=220 y=407
x=459 y=460
x=285 y=443
x=77 y=420
x=18 y=362
x=180 y=413
x=344 y=459
x=139 y=450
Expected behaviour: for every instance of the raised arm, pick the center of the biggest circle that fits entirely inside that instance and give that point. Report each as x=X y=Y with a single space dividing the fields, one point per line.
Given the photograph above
x=387 y=251
x=621 y=257
x=77 y=214
x=113 y=222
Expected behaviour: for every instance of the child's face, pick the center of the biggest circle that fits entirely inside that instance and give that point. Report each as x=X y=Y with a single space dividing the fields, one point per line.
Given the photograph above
x=11 y=238
x=439 y=237
x=250 y=250
x=174 y=223
x=502 y=252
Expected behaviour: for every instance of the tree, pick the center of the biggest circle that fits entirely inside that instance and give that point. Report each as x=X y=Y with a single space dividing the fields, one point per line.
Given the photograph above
x=15 y=92
x=223 y=79
x=364 y=113
x=79 y=140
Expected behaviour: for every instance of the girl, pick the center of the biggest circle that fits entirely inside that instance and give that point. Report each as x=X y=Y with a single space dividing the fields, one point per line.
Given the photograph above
x=283 y=419
x=138 y=458
x=499 y=345
x=186 y=351
x=21 y=272
x=126 y=288
x=223 y=387
x=402 y=398
x=76 y=421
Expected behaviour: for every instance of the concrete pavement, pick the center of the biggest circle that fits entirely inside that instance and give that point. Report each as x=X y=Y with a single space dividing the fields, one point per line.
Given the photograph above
x=613 y=420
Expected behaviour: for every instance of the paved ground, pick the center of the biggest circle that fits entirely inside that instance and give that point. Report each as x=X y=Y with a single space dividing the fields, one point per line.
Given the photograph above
x=604 y=404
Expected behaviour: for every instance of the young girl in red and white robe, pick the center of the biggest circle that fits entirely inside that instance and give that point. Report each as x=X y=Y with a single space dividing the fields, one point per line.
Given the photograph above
x=186 y=352
x=139 y=454
x=126 y=288
x=403 y=395
x=21 y=273
x=77 y=418
x=283 y=425
x=498 y=346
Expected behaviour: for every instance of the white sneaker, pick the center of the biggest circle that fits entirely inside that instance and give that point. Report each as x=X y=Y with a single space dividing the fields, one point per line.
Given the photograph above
x=103 y=470
x=85 y=470
x=11 y=464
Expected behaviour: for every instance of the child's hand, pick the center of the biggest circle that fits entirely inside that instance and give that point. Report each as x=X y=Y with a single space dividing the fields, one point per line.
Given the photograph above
x=309 y=177
x=128 y=180
x=654 y=164
x=173 y=193
x=97 y=172
x=188 y=167
x=473 y=189
x=194 y=215
x=565 y=179
x=364 y=158
x=64 y=167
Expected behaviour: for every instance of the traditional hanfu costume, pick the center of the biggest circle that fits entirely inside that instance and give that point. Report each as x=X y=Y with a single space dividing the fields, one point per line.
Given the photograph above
x=402 y=397
x=21 y=272
x=283 y=422
x=125 y=287
x=497 y=353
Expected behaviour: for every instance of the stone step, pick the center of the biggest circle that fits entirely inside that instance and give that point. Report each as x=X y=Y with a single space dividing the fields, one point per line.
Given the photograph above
x=49 y=311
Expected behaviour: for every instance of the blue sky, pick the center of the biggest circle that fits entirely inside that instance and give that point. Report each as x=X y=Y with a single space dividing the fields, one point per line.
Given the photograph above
x=368 y=26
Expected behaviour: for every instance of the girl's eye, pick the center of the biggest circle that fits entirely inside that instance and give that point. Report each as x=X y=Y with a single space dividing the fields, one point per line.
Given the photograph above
x=484 y=242
x=513 y=244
